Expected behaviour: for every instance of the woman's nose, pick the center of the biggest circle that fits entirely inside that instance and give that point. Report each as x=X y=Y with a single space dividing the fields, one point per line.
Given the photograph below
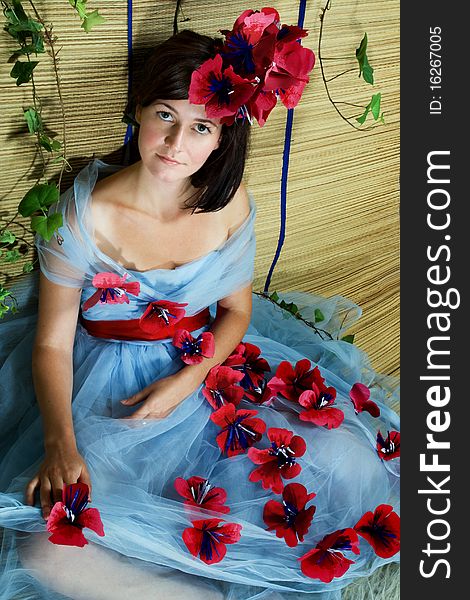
x=174 y=138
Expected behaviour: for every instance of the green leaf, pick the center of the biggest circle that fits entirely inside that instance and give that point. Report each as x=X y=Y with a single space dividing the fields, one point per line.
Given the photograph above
x=4 y=293
x=79 y=6
x=3 y=309
x=7 y=237
x=33 y=119
x=27 y=267
x=91 y=20
x=46 y=226
x=319 y=316
x=274 y=297
x=348 y=338
x=49 y=144
x=11 y=256
x=373 y=107
x=364 y=67
x=38 y=197
x=22 y=71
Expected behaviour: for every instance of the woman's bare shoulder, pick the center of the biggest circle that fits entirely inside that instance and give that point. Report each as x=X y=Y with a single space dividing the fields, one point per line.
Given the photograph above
x=239 y=209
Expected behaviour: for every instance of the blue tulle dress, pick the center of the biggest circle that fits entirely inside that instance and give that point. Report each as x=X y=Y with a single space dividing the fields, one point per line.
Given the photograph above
x=133 y=465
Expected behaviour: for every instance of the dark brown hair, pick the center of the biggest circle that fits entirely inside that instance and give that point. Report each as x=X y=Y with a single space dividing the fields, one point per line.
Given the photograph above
x=166 y=75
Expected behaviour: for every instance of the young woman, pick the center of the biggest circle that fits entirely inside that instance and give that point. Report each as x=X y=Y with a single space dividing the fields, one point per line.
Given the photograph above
x=231 y=452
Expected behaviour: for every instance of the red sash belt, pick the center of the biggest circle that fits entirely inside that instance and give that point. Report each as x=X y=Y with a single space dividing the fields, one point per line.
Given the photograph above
x=131 y=330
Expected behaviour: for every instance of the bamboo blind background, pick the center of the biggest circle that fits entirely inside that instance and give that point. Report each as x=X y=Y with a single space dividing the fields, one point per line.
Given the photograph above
x=343 y=205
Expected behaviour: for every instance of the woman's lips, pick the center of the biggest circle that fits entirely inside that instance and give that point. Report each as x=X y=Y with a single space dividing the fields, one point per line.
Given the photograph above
x=167 y=160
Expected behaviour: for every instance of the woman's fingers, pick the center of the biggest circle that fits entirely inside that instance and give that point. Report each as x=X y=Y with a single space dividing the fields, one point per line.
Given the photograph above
x=85 y=478
x=30 y=489
x=136 y=398
x=57 y=485
x=45 y=496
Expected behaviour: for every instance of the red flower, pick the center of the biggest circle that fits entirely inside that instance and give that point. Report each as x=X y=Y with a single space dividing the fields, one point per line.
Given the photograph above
x=291 y=520
x=249 y=47
x=260 y=394
x=207 y=539
x=111 y=290
x=160 y=314
x=239 y=429
x=246 y=358
x=390 y=447
x=291 y=65
x=222 y=91
x=200 y=493
x=290 y=33
x=326 y=561
x=381 y=529
x=194 y=349
x=277 y=461
x=359 y=395
x=221 y=386
x=261 y=104
x=69 y=517
x=319 y=404
x=291 y=382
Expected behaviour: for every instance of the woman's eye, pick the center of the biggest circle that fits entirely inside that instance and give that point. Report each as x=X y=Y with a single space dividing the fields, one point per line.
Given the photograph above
x=165 y=116
x=200 y=128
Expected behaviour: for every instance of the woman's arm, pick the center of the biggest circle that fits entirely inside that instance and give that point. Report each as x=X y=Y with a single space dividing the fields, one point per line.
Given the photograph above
x=52 y=366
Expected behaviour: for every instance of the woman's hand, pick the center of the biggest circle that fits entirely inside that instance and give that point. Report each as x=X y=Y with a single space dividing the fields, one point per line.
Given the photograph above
x=61 y=465
x=160 y=398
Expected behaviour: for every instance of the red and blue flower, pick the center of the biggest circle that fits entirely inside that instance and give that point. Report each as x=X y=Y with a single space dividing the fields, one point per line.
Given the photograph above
x=199 y=493
x=69 y=517
x=381 y=529
x=279 y=461
x=290 y=519
x=194 y=350
x=360 y=394
x=240 y=430
x=389 y=447
x=221 y=386
x=327 y=561
x=111 y=290
x=207 y=538
x=161 y=314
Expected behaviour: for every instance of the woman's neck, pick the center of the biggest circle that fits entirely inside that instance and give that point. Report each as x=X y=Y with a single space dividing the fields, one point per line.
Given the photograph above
x=161 y=199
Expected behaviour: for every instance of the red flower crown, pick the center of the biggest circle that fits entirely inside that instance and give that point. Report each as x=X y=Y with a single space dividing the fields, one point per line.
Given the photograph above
x=259 y=62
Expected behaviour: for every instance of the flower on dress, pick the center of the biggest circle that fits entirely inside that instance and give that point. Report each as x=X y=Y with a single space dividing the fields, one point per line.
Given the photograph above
x=194 y=350
x=200 y=493
x=390 y=447
x=319 y=403
x=68 y=518
x=292 y=381
x=278 y=461
x=360 y=394
x=261 y=394
x=111 y=290
x=239 y=429
x=290 y=519
x=221 y=386
x=160 y=314
x=381 y=529
x=246 y=359
x=326 y=560
x=221 y=90
x=207 y=538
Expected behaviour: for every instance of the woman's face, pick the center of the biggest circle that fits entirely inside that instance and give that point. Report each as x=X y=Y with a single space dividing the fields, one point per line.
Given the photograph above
x=176 y=138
